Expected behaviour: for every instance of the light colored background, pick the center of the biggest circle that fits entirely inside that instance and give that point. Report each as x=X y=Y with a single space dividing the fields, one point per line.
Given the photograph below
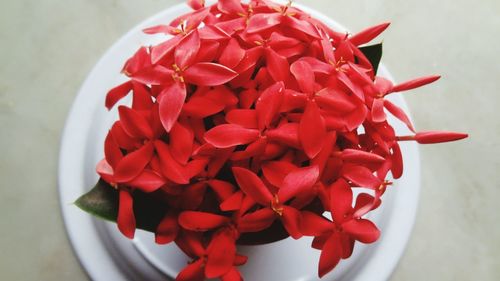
x=48 y=47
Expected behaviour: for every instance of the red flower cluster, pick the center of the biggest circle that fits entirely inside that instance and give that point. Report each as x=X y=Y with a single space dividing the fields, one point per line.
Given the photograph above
x=248 y=116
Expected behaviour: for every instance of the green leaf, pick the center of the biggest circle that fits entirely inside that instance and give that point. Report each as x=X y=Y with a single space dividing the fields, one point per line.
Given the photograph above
x=374 y=54
x=102 y=202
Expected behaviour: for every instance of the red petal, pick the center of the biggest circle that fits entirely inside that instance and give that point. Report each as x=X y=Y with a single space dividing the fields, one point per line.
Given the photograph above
x=256 y=148
x=140 y=60
x=169 y=167
x=361 y=157
x=361 y=176
x=399 y=113
x=134 y=123
x=302 y=25
x=324 y=155
x=192 y=272
x=232 y=275
x=365 y=203
x=362 y=230
x=161 y=28
x=260 y=22
x=319 y=66
x=219 y=161
x=162 y=50
x=196 y=4
x=248 y=97
x=246 y=118
x=340 y=200
x=286 y=134
x=383 y=85
x=105 y=171
x=232 y=26
x=304 y=75
x=142 y=97
x=279 y=41
x=195 y=167
x=231 y=7
x=221 y=253
x=378 y=114
x=334 y=100
x=181 y=143
x=133 y=163
x=117 y=93
x=211 y=32
x=368 y=34
x=201 y=221
x=147 y=181
x=419 y=82
x=297 y=182
x=257 y=221
x=354 y=119
x=232 y=54
x=330 y=255
x=154 y=75
x=240 y=260
x=233 y=202
x=209 y=74
x=292 y=100
x=314 y=225
x=327 y=48
x=268 y=104
x=312 y=130
x=167 y=230
x=278 y=66
x=171 y=102
x=397 y=162
x=319 y=241
x=250 y=60
x=222 y=189
x=112 y=151
x=196 y=18
x=126 y=219
x=191 y=243
x=438 y=136
x=122 y=138
x=252 y=185
x=192 y=196
x=201 y=107
x=187 y=49
x=276 y=171
x=228 y=135
x=355 y=89
x=291 y=220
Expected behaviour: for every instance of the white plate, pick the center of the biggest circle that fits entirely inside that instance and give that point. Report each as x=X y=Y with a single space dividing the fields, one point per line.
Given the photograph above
x=106 y=255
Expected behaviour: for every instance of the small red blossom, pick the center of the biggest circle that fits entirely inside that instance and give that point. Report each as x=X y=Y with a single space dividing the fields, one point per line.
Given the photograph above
x=252 y=115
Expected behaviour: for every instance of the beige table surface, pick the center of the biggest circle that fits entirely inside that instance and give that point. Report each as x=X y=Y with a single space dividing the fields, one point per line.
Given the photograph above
x=48 y=47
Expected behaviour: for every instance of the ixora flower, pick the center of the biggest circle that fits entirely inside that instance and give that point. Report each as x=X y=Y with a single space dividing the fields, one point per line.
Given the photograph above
x=247 y=124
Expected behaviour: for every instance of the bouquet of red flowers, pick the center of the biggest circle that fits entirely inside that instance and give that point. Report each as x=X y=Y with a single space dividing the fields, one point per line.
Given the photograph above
x=248 y=124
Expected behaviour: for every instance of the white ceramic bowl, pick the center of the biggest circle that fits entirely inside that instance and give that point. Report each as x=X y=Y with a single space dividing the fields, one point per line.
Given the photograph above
x=107 y=255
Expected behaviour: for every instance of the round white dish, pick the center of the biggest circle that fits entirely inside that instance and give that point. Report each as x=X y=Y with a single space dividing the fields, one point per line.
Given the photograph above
x=107 y=255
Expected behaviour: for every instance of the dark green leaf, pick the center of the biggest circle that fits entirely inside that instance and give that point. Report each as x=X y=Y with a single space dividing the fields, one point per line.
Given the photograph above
x=374 y=54
x=102 y=202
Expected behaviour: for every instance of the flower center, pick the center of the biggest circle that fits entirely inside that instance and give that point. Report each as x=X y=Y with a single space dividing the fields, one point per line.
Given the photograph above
x=177 y=75
x=384 y=185
x=276 y=205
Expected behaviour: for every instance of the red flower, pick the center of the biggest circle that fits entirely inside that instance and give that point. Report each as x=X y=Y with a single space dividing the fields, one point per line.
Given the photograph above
x=336 y=238
x=298 y=181
x=248 y=116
